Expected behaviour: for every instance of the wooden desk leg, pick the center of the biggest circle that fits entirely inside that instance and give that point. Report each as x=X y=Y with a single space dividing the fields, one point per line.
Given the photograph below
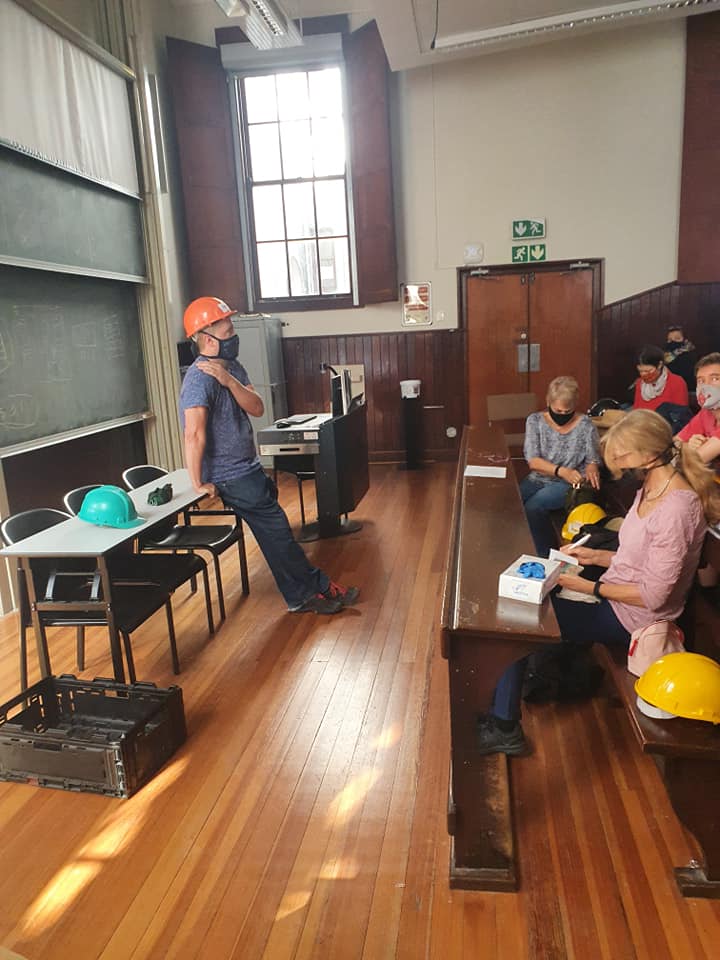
x=38 y=626
x=479 y=808
x=115 y=648
x=694 y=789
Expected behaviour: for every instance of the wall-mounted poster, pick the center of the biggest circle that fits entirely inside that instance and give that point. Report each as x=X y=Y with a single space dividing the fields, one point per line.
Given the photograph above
x=416 y=305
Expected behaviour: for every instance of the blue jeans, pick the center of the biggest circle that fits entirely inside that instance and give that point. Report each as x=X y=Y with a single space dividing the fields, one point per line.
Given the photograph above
x=539 y=499
x=253 y=496
x=581 y=624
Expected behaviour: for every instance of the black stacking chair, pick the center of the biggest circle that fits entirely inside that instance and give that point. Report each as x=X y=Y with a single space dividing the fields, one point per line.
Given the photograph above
x=170 y=571
x=72 y=580
x=302 y=467
x=190 y=536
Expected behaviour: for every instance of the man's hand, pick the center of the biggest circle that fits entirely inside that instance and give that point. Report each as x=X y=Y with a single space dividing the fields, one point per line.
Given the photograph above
x=696 y=441
x=216 y=369
x=208 y=489
x=579 y=584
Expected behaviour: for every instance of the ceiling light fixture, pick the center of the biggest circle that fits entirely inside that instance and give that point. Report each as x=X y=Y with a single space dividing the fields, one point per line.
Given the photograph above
x=265 y=23
x=544 y=26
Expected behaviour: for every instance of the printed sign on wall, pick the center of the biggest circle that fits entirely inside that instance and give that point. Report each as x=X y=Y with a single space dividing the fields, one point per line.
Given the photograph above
x=528 y=229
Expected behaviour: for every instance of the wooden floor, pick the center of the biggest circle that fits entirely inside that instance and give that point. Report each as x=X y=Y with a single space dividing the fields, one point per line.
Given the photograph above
x=305 y=817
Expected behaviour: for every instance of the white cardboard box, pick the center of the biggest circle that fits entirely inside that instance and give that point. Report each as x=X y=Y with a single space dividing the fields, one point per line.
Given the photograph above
x=512 y=585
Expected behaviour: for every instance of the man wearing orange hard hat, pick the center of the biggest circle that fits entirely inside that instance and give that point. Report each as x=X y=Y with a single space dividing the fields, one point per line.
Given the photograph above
x=216 y=403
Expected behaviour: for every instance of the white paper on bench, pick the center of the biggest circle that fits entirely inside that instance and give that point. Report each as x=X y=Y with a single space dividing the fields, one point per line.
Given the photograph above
x=479 y=470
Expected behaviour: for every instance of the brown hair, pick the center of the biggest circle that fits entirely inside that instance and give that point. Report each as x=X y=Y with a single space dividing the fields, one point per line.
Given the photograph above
x=708 y=360
x=647 y=433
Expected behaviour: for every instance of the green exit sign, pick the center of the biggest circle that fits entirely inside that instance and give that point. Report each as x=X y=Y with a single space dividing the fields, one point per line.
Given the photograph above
x=529 y=253
x=530 y=229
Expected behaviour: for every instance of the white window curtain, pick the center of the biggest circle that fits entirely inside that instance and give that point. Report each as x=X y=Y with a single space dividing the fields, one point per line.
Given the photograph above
x=62 y=105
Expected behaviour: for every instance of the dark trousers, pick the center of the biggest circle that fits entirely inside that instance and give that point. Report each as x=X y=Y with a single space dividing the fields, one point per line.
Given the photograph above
x=581 y=624
x=253 y=497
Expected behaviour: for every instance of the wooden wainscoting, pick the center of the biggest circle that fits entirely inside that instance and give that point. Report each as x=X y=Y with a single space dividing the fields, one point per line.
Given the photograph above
x=623 y=327
x=436 y=358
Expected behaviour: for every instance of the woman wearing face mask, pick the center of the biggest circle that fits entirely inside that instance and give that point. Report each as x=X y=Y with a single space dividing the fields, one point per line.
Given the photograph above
x=561 y=449
x=656 y=388
x=647 y=579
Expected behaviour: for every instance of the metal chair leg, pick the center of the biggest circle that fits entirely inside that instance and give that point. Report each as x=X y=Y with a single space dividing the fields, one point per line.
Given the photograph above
x=218 y=580
x=208 y=601
x=129 y=657
x=80 y=647
x=23 y=656
x=171 y=633
x=245 y=579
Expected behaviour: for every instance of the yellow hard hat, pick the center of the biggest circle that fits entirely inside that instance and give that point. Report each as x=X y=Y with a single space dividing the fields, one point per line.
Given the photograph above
x=682 y=685
x=579 y=516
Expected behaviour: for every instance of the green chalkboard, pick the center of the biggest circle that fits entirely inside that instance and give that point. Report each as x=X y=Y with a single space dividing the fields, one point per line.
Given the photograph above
x=70 y=353
x=55 y=220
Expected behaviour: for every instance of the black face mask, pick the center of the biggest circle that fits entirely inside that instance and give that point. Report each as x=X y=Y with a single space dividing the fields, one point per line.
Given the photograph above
x=227 y=349
x=561 y=418
x=672 y=345
x=639 y=473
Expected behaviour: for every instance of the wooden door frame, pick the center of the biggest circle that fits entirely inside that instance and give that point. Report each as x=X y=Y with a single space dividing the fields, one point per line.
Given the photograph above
x=597 y=265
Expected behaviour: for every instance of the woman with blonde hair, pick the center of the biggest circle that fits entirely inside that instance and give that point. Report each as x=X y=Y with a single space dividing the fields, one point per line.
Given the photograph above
x=649 y=576
x=562 y=450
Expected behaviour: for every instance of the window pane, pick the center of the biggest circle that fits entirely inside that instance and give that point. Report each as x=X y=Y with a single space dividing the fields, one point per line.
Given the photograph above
x=260 y=99
x=296 y=149
x=325 y=93
x=293 y=102
x=265 y=152
x=328 y=147
x=268 y=209
x=299 y=210
x=335 y=266
x=272 y=267
x=303 y=268
x=330 y=206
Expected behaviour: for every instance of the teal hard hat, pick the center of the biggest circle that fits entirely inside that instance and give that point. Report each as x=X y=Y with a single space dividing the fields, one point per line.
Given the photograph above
x=109 y=506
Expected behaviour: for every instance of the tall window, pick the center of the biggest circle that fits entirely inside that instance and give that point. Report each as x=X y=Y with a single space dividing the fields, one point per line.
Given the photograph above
x=296 y=186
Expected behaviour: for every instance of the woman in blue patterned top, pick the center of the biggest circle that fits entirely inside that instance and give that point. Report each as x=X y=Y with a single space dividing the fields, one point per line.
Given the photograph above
x=562 y=449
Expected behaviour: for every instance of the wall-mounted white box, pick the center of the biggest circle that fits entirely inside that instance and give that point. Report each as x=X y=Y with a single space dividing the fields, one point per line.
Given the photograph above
x=516 y=587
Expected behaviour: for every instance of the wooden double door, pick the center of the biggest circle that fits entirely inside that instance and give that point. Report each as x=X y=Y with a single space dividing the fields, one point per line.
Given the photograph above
x=526 y=326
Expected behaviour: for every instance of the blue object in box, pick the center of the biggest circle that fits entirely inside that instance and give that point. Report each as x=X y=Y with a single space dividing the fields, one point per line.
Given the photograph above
x=531 y=570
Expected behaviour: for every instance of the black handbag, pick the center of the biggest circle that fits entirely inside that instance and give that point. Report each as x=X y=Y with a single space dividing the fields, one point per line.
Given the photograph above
x=579 y=495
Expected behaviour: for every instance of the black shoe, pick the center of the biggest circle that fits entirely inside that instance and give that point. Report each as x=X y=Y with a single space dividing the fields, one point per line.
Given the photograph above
x=346 y=595
x=319 y=603
x=491 y=739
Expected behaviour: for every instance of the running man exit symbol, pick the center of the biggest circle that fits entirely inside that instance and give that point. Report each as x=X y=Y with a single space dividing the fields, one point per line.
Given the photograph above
x=529 y=229
x=521 y=254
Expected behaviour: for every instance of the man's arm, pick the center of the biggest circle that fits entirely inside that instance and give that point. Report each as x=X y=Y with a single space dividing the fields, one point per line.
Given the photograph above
x=195 y=437
x=244 y=396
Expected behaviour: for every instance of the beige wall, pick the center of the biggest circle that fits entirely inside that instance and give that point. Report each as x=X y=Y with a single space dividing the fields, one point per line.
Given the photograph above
x=585 y=132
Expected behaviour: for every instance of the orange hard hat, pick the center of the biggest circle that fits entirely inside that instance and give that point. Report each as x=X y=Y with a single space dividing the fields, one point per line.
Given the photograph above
x=204 y=311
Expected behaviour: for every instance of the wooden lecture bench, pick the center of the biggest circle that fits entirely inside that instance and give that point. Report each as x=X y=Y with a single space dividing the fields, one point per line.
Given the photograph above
x=482 y=634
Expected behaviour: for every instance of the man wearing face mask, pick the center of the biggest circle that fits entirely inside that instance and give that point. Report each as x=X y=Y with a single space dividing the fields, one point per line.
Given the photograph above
x=703 y=432
x=216 y=401
x=680 y=355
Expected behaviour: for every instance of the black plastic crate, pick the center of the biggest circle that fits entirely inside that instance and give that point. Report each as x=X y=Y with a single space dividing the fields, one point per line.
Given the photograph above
x=91 y=735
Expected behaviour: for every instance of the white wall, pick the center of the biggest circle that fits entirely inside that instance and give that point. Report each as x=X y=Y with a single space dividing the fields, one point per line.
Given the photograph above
x=584 y=132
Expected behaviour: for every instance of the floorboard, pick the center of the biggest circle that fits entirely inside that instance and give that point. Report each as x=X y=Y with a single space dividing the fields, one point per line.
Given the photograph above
x=305 y=816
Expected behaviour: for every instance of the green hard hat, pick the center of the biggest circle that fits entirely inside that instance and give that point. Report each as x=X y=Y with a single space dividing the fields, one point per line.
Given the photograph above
x=109 y=506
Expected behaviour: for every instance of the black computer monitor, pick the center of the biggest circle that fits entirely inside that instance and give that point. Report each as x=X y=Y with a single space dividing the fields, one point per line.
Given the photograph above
x=336 y=396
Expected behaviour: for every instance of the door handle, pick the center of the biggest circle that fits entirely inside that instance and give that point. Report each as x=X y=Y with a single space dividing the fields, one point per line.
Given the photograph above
x=534 y=358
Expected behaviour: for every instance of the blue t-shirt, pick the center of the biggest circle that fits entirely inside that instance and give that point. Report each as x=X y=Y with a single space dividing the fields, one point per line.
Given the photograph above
x=229 y=445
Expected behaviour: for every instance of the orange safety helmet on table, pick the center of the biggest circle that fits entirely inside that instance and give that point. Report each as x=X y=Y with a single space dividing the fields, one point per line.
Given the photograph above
x=203 y=312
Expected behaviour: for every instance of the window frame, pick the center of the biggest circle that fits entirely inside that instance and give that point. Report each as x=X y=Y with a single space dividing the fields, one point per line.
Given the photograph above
x=245 y=184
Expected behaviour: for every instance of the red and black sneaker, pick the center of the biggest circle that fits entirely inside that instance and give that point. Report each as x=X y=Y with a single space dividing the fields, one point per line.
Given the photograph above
x=319 y=603
x=346 y=595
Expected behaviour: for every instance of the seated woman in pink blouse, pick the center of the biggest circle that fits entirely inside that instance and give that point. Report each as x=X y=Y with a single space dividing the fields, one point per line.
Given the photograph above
x=650 y=575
